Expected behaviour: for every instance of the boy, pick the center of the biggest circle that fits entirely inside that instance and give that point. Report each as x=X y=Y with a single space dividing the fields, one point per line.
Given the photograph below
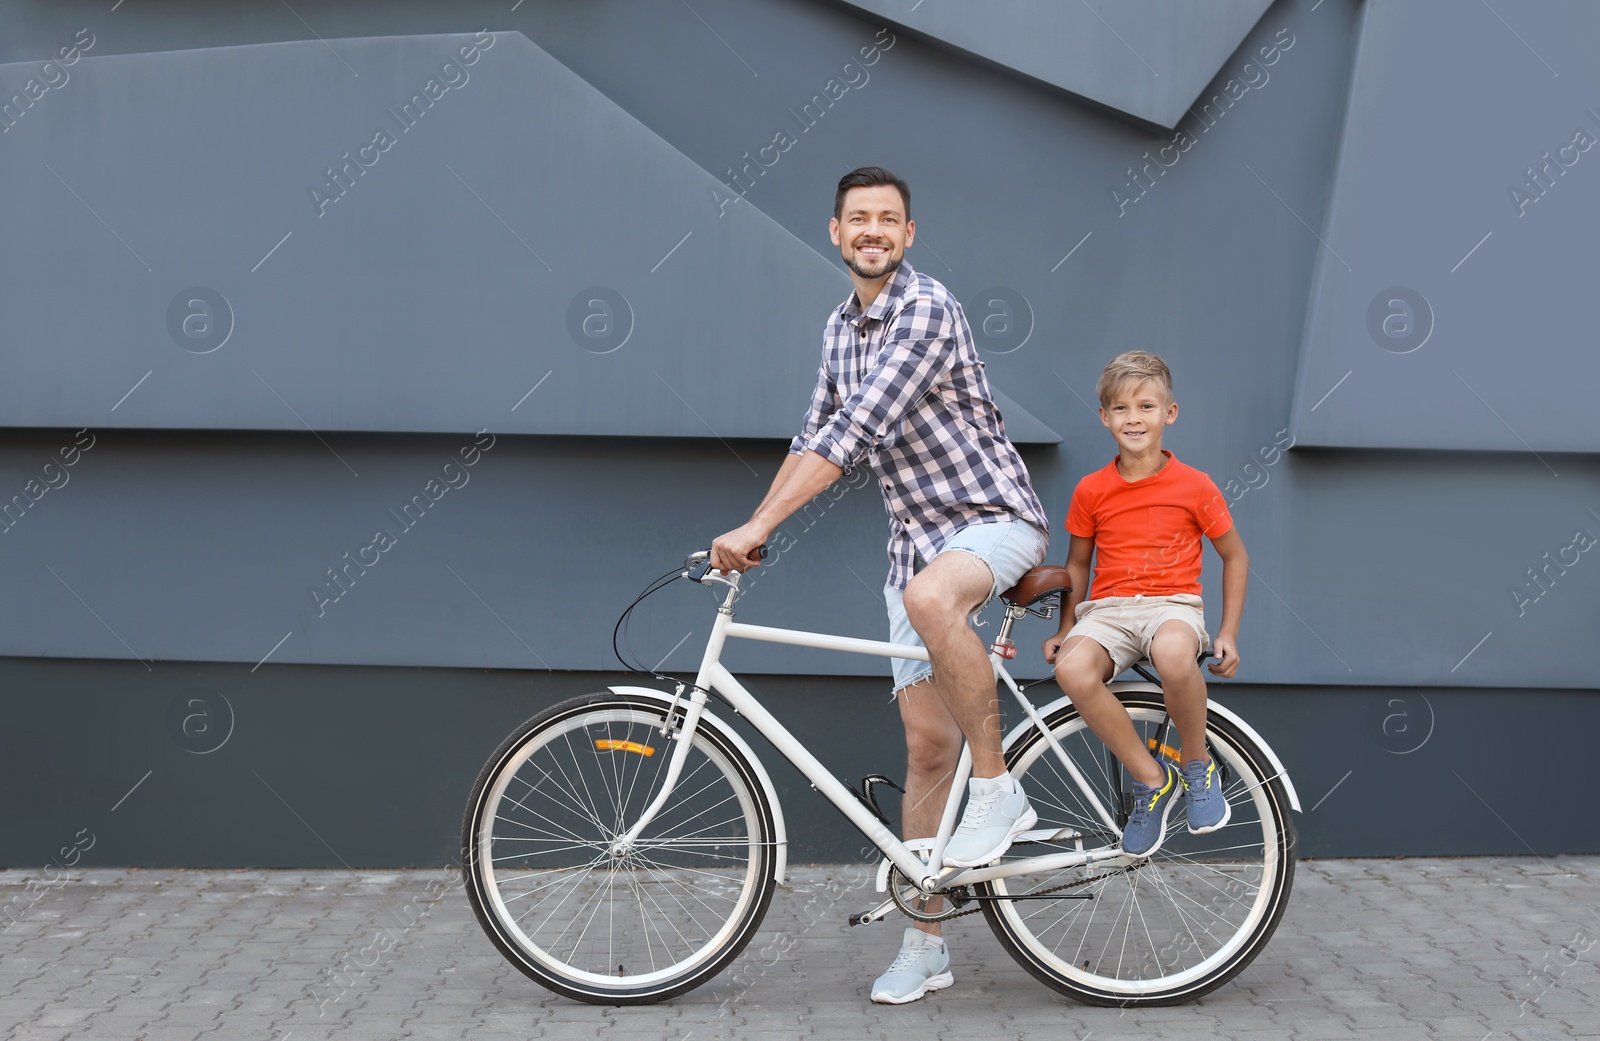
x=1141 y=518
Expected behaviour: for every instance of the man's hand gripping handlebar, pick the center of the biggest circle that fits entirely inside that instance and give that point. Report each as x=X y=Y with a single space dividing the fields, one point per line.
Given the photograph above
x=697 y=566
x=740 y=549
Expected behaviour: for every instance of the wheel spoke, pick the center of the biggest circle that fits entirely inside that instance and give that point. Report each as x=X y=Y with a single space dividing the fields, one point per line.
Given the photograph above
x=691 y=891
x=561 y=798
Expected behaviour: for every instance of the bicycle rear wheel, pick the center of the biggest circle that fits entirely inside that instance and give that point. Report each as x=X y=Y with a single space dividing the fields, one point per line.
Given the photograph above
x=1158 y=930
x=642 y=926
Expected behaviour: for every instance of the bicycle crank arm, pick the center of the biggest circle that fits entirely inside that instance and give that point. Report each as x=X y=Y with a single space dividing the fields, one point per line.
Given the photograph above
x=877 y=914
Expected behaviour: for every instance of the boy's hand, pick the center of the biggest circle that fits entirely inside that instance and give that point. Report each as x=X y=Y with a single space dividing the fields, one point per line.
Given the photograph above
x=1227 y=653
x=1052 y=646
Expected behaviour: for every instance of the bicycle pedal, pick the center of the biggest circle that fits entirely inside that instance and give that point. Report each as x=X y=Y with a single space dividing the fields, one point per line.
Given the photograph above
x=877 y=914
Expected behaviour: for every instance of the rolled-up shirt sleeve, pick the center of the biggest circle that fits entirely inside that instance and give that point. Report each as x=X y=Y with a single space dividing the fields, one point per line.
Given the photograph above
x=917 y=354
x=823 y=400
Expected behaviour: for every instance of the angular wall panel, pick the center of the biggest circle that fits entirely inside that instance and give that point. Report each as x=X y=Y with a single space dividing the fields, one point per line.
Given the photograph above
x=1453 y=305
x=1146 y=58
x=409 y=238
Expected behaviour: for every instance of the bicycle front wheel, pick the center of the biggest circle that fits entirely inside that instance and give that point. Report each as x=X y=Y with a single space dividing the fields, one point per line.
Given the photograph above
x=600 y=926
x=1152 y=931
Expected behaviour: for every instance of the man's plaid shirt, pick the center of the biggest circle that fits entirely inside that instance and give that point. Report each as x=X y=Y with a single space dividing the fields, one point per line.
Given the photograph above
x=902 y=385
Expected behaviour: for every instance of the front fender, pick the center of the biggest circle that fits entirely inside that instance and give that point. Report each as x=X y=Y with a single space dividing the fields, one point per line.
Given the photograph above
x=780 y=835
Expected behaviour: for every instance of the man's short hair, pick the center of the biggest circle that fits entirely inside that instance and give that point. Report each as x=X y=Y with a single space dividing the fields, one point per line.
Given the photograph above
x=1132 y=367
x=869 y=177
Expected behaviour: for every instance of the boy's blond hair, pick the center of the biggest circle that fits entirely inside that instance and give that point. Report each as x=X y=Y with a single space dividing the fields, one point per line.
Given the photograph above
x=1132 y=367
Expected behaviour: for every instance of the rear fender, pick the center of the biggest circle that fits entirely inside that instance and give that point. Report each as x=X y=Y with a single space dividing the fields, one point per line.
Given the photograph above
x=1212 y=705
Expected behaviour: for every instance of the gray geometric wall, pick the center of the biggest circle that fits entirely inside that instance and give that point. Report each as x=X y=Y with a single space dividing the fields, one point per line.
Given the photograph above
x=416 y=303
x=378 y=350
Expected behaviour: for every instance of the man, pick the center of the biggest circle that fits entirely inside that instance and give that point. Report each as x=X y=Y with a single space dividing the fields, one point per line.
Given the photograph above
x=902 y=389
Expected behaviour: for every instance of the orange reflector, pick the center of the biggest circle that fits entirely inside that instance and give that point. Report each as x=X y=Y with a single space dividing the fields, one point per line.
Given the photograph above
x=1166 y=750
x=608 y=745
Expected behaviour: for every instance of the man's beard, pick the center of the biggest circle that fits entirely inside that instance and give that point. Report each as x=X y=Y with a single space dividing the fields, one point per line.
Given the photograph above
x=890 y=268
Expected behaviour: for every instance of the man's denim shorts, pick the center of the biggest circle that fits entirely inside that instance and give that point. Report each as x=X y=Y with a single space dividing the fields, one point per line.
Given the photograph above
x=1011 y=548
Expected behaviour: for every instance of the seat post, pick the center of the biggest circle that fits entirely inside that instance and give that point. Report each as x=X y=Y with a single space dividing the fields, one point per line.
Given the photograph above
x=1003 y=644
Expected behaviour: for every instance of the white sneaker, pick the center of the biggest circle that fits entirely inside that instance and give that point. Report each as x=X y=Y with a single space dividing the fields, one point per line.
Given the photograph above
x=922 y=965
x=994 y=817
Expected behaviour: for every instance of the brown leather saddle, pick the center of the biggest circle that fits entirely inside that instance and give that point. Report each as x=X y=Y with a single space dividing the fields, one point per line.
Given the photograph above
x=1041 y=583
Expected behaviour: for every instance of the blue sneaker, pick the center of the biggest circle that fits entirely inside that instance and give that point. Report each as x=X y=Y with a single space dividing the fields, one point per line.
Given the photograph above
x=1208 y=809
x=922 y=965
x=1147 y=827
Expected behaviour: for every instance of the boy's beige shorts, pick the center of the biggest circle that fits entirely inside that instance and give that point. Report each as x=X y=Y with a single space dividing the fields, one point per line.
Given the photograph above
x=1125 y=625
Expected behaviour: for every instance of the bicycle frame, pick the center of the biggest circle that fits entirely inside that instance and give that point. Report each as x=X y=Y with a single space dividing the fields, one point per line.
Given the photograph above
x=931 y=877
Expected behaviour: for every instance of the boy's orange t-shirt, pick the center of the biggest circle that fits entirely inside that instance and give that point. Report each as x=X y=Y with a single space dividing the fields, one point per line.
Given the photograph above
x=1147 y=533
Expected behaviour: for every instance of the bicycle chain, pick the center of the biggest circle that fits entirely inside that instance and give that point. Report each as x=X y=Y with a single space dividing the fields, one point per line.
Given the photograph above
x=980 y=903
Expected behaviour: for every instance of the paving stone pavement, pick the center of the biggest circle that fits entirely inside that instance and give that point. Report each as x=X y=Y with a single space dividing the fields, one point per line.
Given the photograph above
x=1414 y=949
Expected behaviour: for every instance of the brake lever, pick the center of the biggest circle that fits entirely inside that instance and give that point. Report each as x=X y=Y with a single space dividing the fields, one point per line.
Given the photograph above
x=696 y=565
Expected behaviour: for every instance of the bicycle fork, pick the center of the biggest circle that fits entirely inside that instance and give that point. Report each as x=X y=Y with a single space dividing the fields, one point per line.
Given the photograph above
x=683 y=736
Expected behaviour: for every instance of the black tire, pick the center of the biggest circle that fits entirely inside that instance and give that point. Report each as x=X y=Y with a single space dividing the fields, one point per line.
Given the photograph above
x=629 y=929
x=1159 y=930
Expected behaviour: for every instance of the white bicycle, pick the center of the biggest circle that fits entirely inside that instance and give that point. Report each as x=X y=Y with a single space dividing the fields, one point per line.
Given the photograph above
x=622 y=847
